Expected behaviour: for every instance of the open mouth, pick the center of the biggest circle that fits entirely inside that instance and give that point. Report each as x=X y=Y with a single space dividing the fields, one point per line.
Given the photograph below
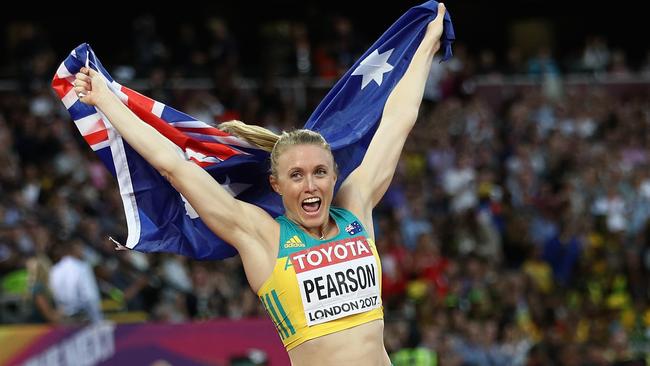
x=311 y=204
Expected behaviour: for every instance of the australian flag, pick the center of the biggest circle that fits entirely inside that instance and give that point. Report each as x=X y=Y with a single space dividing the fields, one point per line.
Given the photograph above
x=159 y=219
x=353 y=228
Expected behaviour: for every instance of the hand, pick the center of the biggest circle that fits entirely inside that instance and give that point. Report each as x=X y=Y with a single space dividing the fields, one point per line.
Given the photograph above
x=435 y=27
x=90 y=86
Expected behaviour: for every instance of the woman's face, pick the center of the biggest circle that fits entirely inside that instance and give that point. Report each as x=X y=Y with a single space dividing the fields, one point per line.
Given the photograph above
x=305 y=180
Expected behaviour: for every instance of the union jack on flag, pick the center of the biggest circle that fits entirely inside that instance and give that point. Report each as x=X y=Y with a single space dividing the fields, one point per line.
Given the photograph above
x=159 y=219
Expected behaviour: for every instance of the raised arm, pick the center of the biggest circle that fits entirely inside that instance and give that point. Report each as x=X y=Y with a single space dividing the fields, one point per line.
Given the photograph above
x=366 y=185
x=248 y=228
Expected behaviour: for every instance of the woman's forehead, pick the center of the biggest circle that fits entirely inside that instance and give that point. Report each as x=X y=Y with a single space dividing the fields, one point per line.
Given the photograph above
x=305 y=156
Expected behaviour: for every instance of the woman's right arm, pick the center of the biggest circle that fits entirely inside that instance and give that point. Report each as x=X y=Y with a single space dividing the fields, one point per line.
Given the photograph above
x=241 y=224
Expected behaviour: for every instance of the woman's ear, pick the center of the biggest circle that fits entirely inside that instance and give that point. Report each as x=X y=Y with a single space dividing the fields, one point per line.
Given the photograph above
x=274 y=184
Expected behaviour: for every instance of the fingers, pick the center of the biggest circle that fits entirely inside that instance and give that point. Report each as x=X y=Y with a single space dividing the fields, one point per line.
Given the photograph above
x=82 y=80
x=435 y=27
x=88 y=75
x=81 y=93
x=82 y=84
x=81 y=90
x=88 y=71
x=81 y=77
x=441 y=11
x=89 y=85
x=440 y=16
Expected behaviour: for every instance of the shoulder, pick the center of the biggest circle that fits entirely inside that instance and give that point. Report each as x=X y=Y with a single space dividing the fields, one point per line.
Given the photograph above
x=342 y=212
x=285 y=225
x=352 y=223
x=282 y=220
x=355 y=210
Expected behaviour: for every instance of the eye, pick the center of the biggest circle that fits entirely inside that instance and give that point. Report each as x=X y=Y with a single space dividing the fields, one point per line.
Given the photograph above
x=295 y=175
x=321 y=171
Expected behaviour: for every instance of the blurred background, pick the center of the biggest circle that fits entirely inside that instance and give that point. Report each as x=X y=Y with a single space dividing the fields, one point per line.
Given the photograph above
x=516 y=230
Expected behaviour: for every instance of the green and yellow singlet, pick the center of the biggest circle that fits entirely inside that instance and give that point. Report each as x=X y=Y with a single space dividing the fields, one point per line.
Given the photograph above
x=319 y=287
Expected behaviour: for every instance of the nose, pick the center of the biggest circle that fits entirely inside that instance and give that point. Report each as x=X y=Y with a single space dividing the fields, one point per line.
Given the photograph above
x=310 y=185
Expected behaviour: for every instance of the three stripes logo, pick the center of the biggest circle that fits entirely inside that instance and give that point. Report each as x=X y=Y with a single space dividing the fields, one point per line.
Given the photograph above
x=294 y=242
x=275 y=309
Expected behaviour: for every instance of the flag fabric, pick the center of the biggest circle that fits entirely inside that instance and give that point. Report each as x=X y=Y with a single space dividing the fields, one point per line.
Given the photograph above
x=349 y=114
x=158 y=218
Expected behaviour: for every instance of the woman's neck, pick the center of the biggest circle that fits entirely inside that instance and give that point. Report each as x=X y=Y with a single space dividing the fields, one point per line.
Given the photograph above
x=321 y=232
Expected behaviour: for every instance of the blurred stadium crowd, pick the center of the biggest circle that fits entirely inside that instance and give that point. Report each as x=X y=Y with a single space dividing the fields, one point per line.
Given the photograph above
x=516 y=232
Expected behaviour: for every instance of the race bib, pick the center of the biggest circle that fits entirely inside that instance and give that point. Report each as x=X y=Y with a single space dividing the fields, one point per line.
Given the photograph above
x=337 y=279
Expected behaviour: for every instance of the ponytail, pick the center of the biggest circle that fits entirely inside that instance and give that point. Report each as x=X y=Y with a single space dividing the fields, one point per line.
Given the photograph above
x=275 y=144
x=256 y=135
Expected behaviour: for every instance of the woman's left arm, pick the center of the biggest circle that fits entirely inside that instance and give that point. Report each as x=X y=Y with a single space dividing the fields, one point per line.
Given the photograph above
x=366 y=185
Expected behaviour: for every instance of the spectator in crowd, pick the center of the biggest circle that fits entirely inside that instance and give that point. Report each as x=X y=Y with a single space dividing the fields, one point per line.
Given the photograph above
x=44 y=307
x=74 y=286
x=596 y=55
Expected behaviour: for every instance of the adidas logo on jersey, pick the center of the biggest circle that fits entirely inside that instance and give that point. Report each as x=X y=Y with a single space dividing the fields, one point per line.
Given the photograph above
x=294 y=242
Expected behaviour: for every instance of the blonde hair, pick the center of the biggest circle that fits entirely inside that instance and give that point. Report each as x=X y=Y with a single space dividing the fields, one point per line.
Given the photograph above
x=256 y=135
x=38 y=271
x=273 y=143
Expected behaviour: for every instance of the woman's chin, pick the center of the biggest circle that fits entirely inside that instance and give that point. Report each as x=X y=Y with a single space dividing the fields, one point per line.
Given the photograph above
x=312 y=219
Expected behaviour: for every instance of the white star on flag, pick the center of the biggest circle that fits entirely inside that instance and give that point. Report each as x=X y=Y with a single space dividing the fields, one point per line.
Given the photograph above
x=374 y=67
